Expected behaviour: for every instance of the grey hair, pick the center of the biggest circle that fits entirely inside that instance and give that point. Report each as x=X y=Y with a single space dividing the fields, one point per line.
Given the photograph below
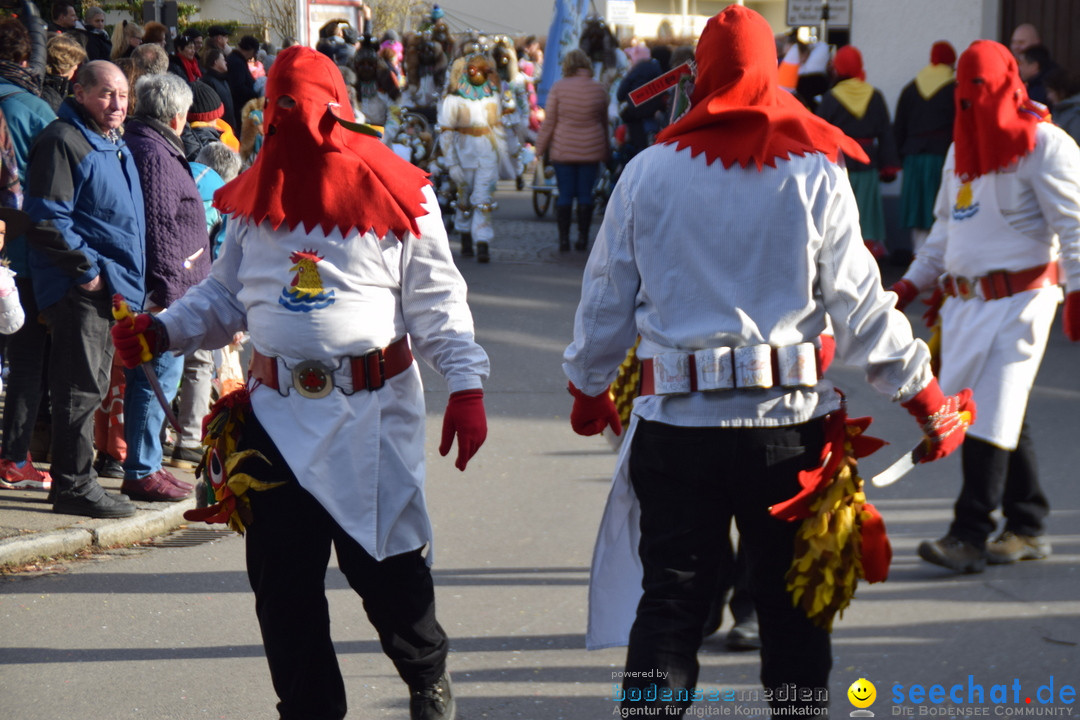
x=218 y=157
x=162 y=97
x=92 y=12
x=150 y=58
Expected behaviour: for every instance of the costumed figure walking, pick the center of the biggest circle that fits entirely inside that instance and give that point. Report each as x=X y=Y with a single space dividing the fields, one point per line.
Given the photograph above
x=729 y=246
x=859 y=109
x=1006 y=232
x=468 y=118
x=336 y=262
x=924 y=125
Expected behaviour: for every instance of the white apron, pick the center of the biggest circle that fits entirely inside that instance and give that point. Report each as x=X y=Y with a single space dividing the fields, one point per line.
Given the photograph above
x=994 y=347
x=615 y=576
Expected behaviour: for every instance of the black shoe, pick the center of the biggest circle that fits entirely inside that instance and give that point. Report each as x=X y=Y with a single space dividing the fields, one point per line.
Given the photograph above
x=434 y=702
x=108 y=467
x=187 y=458
x=466 y=245
x=107 y=506
x=482 y=255
x=953 y=553
x=744 y=636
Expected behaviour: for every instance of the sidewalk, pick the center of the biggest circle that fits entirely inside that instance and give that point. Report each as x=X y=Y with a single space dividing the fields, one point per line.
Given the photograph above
x=29 y=529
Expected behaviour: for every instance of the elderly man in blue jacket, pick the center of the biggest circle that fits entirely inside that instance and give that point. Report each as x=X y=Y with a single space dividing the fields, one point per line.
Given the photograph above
x=83 y=191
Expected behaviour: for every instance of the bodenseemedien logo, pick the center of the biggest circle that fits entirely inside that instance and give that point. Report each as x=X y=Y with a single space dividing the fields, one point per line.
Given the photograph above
x=862 y=695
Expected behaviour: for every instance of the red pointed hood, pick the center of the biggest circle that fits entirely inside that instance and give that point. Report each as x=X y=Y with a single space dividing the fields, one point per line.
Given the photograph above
x=738 y=112
x=312 y=169
x=995 y=121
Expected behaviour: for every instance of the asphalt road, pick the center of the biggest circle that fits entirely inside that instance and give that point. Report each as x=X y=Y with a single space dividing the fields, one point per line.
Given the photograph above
x=169 y=632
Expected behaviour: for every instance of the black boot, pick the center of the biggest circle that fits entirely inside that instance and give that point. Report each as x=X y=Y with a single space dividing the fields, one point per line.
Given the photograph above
x=466 y=245
x=584 y=220
x=563 y=213
x=482 y=255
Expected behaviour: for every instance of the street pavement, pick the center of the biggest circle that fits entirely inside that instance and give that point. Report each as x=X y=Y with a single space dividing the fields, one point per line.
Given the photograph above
x=166 y=629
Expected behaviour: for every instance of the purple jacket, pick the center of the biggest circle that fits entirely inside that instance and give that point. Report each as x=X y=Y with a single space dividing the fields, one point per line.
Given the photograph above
x=177 y=245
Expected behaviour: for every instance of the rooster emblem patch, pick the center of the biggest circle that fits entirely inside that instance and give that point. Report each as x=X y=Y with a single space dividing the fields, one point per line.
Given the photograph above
x=305 y=293
x=965 y=206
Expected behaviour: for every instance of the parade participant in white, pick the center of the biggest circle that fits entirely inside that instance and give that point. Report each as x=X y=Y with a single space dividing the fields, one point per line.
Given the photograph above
x=1006 y=230
x=335 y=275
x=469 y=117
x=737 y=232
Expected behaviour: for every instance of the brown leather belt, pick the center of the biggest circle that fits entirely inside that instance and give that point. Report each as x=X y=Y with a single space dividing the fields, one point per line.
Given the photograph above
x=474 y=131
x=1001 y=283
x=314 y=379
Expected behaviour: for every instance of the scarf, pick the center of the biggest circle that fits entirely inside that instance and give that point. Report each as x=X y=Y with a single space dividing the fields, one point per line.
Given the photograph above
x=854 y=95
x=191 y=68
x=932 y=78
x=738 y=112
x=18 y=75
x=314 y=169
x=995 y=121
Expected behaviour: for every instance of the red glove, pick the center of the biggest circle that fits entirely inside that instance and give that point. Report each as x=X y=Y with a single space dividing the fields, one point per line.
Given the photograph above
x=934 y=307
x=944 y=420
x=826 y=352
x=888 y=174
x=590 y=415
x=465 y=418
x=135 y=339
x=905 y=292
x=1071 y=316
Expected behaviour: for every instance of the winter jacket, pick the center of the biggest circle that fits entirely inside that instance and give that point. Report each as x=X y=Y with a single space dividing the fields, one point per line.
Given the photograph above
x=1067 y=116
x=220 y=83
x=98 y=45
x=575 y=128
x=27 y=116
x=177 y=245
x=242 y=85
x=85 y=187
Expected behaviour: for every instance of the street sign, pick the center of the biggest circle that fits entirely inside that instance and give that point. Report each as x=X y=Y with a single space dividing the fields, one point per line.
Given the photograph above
x=621 y=12
x=801 y=13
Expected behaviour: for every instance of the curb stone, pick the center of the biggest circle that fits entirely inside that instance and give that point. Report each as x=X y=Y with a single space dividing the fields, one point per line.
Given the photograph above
x=147 y=522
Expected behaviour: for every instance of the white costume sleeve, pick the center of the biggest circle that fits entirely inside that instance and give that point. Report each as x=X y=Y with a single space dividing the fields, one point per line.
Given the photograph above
x=433 y=298
x=604 y=324
x=869 y=331
x=1055 y=178
x=208 y=315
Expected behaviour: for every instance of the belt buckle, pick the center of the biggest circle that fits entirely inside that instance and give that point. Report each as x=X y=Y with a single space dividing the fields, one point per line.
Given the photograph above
x=965 y=288
x=374 y=367
x=313 y=379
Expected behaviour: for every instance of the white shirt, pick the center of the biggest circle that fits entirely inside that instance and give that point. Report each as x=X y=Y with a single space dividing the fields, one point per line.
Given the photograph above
x=362 y=455
x=1038 y=196
x=693 y=256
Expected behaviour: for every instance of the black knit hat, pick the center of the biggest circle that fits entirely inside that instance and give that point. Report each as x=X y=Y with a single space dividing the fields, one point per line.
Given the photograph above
x=206 y=105
x=216 y=30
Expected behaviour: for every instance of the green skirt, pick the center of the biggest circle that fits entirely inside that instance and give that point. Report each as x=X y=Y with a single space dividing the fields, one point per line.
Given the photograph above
x=868 y=197
x=922 y=178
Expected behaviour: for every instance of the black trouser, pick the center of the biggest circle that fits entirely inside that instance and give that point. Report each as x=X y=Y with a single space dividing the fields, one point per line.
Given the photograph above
x=26 y=355
x=994 y=478
x=79 y=366
x=288 y=549
x=690 y=483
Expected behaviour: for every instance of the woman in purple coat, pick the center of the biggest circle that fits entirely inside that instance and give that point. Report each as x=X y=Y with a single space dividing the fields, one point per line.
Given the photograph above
x=177 y=257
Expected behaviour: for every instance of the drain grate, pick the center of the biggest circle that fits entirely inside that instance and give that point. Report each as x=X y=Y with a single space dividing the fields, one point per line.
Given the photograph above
x=190 y=537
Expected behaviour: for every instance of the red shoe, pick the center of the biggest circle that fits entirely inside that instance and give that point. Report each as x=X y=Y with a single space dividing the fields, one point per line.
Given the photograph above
x=28 y=477
x=155 y=487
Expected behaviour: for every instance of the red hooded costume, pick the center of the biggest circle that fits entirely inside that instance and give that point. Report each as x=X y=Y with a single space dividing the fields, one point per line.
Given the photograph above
x=313 y=168
x=738 y=112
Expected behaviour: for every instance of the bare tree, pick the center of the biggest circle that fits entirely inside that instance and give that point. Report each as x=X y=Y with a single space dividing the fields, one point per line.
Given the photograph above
x=275 y=17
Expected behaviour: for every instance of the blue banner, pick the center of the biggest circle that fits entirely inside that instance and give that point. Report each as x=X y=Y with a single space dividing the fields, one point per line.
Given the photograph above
x=565 y=32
